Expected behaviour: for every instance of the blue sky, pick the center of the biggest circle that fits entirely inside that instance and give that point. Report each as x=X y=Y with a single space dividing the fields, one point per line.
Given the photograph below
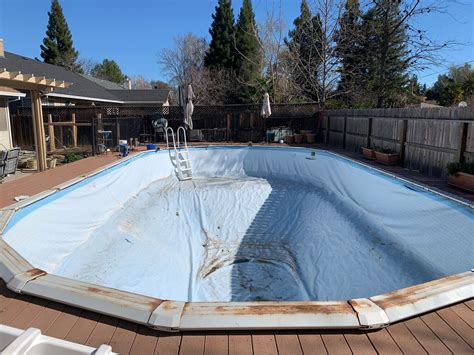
x=132 y=32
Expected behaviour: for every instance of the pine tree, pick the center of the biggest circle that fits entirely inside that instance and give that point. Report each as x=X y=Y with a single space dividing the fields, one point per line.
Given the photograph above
x=221 y=53
x=248 y=52
x=108 y=70
x=350 y=53
x=57 y=47
x=304 y=46
x=386 y=51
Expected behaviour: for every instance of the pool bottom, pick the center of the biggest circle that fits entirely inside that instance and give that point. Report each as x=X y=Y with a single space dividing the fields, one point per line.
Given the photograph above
x=243 y=239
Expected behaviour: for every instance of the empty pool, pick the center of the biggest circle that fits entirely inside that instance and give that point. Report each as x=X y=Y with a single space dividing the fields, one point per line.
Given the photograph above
x=254 y=224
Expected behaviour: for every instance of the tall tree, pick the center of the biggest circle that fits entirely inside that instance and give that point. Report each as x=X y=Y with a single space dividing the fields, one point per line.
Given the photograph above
x=248 y=59
x=57 y=47
x=350 y=53
x=108 y=70
x=221 y=53
x=305 y=46
x=387 y=52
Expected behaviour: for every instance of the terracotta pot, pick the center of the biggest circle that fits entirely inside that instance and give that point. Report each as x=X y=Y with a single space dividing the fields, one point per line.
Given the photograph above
x=368 y=153
x=304 y=133
x=298 y=138
x=310 y=137
x=289 y=139
x=387 y=159
x=462 y=180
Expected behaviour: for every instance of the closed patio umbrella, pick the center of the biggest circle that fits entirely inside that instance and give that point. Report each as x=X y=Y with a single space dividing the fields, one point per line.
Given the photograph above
x=266 y=112
x=266 y=109
x=188 y=113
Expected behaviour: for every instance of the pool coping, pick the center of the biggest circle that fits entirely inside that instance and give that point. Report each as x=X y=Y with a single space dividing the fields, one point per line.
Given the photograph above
x=364 y=313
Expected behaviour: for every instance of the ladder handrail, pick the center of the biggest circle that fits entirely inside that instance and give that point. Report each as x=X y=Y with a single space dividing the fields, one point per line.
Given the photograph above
x=181 y=128
x=166 y=135
x=177 y=151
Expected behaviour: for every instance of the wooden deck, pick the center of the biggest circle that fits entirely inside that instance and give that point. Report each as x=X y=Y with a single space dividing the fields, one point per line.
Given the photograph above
x=445 y=331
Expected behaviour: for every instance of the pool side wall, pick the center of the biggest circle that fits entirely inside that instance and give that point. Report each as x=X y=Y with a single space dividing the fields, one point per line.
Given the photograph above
x=373 y=312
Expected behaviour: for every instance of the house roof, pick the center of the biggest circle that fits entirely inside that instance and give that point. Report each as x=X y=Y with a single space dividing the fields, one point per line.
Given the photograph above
x=158 y=96
x=109 y=85
x=10 y=92
x=82 y=88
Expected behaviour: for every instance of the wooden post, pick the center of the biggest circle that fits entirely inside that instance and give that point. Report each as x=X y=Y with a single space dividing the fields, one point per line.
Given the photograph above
x=328 y=128
x=93 y=141
x=229 y=126
x=251 y=120
x=52 y=139
x=403 y=139
x=344 y=131
x=462 y=142
x=74 y=130
x=117 y=130
x=40 y=141
x=369 y=133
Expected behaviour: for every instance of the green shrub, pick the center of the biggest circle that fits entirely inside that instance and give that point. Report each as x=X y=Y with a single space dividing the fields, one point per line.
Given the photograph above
x=70 y=157
x=454 y=168
x=384 y=150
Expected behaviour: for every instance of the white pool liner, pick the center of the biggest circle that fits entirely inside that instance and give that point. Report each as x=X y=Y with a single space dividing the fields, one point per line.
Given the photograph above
x=255 y=224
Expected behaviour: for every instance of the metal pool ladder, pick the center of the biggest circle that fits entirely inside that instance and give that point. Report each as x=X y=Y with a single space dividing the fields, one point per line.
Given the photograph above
x=181 y=153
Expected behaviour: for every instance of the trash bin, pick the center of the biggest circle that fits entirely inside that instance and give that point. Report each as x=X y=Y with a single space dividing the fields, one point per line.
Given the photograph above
x=123 y=147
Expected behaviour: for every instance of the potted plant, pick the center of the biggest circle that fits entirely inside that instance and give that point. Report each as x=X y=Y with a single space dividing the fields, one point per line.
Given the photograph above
x=386 y=156
x=461 y=175
x=298 y=138
x=368 y=153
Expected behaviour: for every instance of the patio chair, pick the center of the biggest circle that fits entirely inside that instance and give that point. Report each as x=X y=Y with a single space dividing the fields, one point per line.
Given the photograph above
x=8 y=162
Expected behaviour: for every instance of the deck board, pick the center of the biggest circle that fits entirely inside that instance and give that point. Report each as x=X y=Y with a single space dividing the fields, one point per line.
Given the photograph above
x=465 y=313
x=288 y=343
x=216 y=343
x=359 y=343
x=240 y=343
x=123 y=337
x=383 y=342
x=446 y=334
x=429 y=340
x=405 y=339
x=335 y=343
x=458 y=325
x=193 y=344
x=144 y=342
x=264 y=343
x=312 y=343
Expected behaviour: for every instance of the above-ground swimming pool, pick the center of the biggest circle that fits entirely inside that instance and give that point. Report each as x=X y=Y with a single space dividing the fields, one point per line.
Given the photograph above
x=262 y=227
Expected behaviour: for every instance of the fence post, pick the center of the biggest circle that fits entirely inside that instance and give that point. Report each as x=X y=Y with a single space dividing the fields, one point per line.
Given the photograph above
x=403 y=139
x=229 y=126
x=462 y=142
x=74 y=130
x=344 y=132
x=328 y=128
x=117 y=129
x=93 y=135
x=369 y=133
x=52 y=139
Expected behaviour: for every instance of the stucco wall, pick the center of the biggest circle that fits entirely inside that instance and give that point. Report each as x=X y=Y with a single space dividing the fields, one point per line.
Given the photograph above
x=5 y=129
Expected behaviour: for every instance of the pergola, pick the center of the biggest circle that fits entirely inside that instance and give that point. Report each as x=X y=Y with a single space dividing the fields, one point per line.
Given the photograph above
x=37 y=85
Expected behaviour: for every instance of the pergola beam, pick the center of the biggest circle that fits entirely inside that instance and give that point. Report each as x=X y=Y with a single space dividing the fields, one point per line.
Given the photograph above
x=19 y=77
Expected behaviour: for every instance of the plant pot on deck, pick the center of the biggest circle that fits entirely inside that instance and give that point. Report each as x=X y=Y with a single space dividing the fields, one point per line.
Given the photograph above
x=304 y=133
x=310 y=137
x=289 y=139
x=368 y=153
x=387 y=158
x=51 y=162
x=298 y=138
x=462 y=180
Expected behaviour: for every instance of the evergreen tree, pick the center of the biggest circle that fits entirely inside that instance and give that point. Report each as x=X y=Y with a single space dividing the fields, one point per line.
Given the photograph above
x=108 y=70
x=248 y=53
x=304 y=45
x=350 y=52
x=385 y=53
x=57 y=47
x=221 y=53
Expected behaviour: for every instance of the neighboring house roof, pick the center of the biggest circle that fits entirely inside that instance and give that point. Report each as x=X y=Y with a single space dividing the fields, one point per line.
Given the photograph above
x=10 y=92
x=109 y=85
x=84 y=87
x=158 y=96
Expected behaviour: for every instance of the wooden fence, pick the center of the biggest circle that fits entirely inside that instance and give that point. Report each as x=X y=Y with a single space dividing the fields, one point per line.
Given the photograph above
x=71 y=126
x=427 y=139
